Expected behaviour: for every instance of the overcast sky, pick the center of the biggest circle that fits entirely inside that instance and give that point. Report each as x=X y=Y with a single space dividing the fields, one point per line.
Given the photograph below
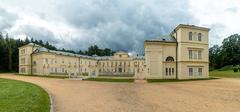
x=116 y=24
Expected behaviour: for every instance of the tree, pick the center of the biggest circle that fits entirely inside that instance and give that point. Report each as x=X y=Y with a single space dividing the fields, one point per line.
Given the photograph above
x=227 y=54
x=231 y=50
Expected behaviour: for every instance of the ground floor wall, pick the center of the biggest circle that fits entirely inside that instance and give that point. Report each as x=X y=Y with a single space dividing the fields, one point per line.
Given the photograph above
x=25 y=69
x=190 y=70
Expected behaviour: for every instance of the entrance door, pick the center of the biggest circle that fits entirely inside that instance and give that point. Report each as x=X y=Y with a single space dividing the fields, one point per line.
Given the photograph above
x=120 y=69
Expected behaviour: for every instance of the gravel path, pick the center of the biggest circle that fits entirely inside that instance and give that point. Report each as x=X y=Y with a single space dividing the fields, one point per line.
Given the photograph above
x=221 y=95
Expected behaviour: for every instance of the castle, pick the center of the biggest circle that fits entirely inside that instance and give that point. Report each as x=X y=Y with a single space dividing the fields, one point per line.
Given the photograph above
x=183 y=54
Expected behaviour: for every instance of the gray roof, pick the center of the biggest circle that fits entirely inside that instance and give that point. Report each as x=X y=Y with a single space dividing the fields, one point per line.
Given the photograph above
x=43 y=49
x=165 y=38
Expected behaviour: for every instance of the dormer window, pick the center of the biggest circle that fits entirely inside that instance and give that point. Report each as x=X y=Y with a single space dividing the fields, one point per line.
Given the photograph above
x=199 y=37
x=190 y=35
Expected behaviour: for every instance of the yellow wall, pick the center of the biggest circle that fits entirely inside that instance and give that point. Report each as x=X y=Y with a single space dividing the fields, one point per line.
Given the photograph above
x=153 y=66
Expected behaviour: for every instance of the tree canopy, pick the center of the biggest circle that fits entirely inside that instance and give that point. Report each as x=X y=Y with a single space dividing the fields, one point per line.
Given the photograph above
x=226 y=54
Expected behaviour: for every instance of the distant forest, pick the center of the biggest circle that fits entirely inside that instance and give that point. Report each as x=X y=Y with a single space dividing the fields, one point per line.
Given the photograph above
x=9 y=51
x=219 y=56
x=226 y=54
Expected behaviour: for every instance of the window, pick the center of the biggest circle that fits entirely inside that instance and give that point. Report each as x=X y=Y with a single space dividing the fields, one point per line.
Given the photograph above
x=34 y=70
x=23 y=70
x=199 y=71
x=199 y=54
x=22 y=60
x=166 y=71
x=190 y=54
x=190 y=35
x=46 y=61
x=169 y=70
x=169 y=58
x=199 y=37
x=195 y=54
x=23 y=51
x=34 y=63
x=190 y=71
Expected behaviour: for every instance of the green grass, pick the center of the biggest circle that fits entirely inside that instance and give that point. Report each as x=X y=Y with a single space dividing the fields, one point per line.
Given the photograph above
x=109 y=80
x=226 y=68
x=46 y=76
x=176 y=80
x=228 y=74
x=18 y=96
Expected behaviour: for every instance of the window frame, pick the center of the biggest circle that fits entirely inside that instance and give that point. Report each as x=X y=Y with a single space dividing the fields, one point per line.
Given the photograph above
x=190 y=71
x=200 y=37
x=190 y=36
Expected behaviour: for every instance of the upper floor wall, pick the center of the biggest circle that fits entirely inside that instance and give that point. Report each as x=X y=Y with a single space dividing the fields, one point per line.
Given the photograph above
x=25 y=53
x=191 y=34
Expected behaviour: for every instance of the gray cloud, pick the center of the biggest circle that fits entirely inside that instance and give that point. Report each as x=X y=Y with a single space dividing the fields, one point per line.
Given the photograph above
x=37 y=33
x=7 y=20
x=232 y=10
x=116 y=24
x=215 y=33
x=124 y=24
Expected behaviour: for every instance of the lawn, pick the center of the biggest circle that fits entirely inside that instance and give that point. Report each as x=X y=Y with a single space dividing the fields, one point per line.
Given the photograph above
x=228 y=74
x=109 y=80
x=18 y=96
x=176 y=80
x=46 y=76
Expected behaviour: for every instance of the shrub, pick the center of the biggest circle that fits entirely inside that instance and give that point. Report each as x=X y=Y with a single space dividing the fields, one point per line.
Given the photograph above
x=85 y=74
x=235 y=69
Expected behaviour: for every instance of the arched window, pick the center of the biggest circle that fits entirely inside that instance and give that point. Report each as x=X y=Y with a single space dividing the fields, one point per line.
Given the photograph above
x=190 y=35
x=199 y=37
x=169 y=58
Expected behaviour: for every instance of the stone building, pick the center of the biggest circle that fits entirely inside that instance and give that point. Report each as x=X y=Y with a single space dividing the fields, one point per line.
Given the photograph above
x=183 y=54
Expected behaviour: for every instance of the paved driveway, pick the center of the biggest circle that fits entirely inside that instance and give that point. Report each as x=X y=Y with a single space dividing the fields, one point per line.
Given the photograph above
x=222 y=95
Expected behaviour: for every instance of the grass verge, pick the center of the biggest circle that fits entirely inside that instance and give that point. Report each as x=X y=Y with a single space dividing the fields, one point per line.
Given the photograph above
x=227 y=74
x=47 y=76
x=18 y=96
x=109 y=80
x=176 y=80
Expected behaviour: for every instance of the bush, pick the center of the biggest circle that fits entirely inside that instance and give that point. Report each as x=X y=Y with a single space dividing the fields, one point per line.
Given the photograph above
x=85 y=74
x=235 y=69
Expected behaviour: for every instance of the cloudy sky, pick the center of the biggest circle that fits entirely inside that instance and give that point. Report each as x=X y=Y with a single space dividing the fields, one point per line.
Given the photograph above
x=116 y=24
